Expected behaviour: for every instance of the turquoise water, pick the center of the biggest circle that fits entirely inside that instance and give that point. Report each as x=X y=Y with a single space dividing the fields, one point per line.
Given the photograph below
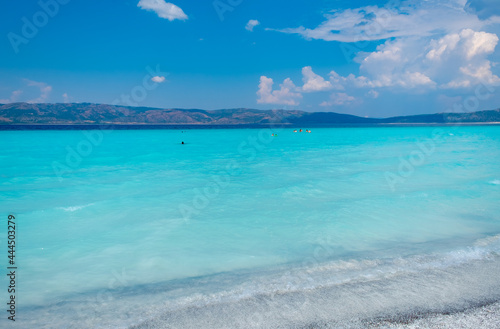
x=116 y=228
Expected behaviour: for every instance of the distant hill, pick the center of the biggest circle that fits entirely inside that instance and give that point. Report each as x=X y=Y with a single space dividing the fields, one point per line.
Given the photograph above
x=473 y=117
x=102 y=114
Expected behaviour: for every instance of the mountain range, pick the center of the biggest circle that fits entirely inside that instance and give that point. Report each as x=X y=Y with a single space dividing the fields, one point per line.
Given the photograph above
x=102 y=114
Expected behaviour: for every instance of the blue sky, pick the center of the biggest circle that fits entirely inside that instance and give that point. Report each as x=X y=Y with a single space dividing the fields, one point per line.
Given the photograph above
x=368 y=58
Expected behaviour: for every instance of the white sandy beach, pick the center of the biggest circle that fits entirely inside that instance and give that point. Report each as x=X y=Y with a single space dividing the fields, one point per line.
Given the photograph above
x=476 y=318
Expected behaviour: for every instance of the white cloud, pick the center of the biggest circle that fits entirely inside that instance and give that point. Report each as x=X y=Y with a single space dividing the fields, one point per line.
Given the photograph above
x=456 y=60
x=393 y=64
x=314 y=82
x=474 y=74
x=409 y=18
x=415 y=79
x=42 y=87
x=163 y=9
x=429 y=46
x=13 y=97
x=65 y=98
x=338 y=99
x=158 y=79
x=445 y=44
x=286 y=95
x=373 y=94
x=44 y=91
x=251 y=24
x=478 y=43
x=463 y=59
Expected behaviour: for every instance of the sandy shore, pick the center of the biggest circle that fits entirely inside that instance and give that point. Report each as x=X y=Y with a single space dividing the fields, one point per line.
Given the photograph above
x=484 y=317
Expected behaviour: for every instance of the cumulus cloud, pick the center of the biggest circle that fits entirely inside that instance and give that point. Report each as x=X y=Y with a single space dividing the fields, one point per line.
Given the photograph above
x=456 y=60
x=163 y=9
x=158 y=79
x=14 y=96
x=467 y=51
x=393 y=64
x=445 y=44
x=286 y=95
x=409 y=19
x=251 y=24
x=474 y=74
x=478 y=43
x=314 y=82
x=426 y=46
x=45 y=91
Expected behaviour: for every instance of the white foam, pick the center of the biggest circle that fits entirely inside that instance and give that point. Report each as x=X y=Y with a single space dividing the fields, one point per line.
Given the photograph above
x=341 y=291
x=488 y=241
x=495 y=182
x=75 y=208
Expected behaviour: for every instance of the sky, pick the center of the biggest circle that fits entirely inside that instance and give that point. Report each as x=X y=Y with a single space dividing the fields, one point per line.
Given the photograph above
x=367 y=58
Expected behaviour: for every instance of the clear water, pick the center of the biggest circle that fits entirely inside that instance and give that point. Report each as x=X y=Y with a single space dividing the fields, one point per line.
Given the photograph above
x=124 y=228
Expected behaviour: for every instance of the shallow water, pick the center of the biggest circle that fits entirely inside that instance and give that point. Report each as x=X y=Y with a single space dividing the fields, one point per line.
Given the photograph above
x=116 y=228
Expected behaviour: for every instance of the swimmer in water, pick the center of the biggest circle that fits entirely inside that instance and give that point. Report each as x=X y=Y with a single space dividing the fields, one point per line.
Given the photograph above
x=182 y=143
x=295 y=131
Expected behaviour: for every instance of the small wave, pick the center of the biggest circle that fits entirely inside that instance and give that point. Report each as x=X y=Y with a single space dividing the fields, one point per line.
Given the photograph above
x=389 y=291
x=289 y=296
x=341 y=273
x=495 y=182
x=75 y=208
x=487 y=241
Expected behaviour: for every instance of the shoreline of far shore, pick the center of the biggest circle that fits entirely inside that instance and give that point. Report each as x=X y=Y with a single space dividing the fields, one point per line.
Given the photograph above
x=131 y=126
